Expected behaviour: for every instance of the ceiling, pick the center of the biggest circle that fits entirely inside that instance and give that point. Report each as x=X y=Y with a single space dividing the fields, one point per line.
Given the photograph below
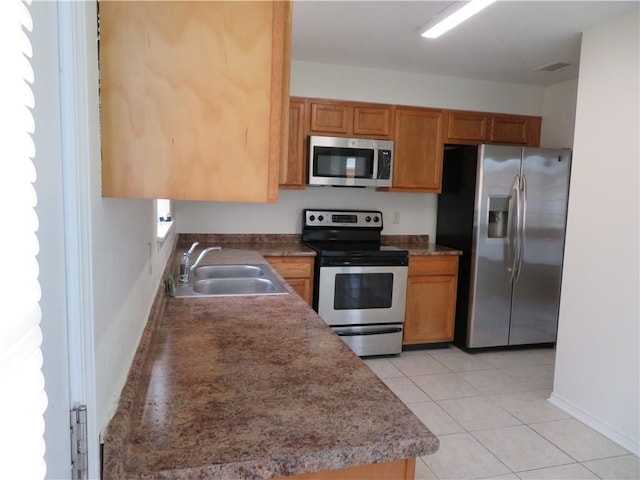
x=506 y=42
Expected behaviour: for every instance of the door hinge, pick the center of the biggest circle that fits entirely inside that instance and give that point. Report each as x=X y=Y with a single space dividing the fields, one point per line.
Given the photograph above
x=79 y=455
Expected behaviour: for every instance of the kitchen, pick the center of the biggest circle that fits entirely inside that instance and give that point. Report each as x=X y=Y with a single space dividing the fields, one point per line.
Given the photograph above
x=120 y=229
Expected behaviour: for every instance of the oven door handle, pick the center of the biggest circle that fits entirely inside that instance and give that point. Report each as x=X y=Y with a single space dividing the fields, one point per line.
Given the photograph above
x=351 y=333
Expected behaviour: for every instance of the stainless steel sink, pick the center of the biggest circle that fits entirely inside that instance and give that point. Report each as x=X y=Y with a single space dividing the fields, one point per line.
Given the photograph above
x=229 y=280
x=229 y=271
x=237 y=286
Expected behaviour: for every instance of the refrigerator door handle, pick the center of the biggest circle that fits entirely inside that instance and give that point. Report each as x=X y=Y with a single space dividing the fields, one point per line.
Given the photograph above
x=522 y=222
x=514 y=233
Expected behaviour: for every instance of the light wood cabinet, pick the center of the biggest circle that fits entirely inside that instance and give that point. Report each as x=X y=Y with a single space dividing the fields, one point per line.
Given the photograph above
x=480 y=127
x=418 y=150
x=346 y=119
x=298 y=272
x=431 y=299
x=293 y=165
x=192 y=97
x=395 y=470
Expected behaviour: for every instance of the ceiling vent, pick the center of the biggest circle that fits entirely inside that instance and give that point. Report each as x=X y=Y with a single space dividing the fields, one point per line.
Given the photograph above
x=552 y=67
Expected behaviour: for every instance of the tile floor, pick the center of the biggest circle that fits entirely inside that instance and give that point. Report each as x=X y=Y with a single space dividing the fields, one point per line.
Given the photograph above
x=491 y=414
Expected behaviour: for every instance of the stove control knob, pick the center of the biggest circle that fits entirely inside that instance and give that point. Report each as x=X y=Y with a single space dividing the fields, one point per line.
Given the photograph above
x=368 y=219
x=312 y=217
x=320 y=218
x=376 y=219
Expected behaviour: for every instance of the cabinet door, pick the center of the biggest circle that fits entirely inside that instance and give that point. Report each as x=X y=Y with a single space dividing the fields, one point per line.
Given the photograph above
x=464 y=127
x=431 y=299
x=184 y=116
x=509 y=129
x=418 y=150
x=293 y=166
x=328 y=118
x=372 y=122
x=298 y=272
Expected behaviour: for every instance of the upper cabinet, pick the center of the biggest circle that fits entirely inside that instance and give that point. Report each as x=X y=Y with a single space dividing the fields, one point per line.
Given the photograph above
x=349 y=119
x=480 y=127
x=194 y=99
x=418 y=150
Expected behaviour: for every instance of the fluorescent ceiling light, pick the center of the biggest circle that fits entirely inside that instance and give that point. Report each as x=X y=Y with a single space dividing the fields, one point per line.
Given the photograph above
x=469 y=9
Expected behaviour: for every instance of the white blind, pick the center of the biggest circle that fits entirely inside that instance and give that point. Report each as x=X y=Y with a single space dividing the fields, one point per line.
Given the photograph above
x=22 y=396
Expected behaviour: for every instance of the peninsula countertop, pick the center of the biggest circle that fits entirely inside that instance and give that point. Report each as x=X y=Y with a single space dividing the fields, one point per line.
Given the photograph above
x=252 y=387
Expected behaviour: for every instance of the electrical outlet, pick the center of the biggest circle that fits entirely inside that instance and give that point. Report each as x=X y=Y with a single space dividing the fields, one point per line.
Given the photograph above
x=396 y=218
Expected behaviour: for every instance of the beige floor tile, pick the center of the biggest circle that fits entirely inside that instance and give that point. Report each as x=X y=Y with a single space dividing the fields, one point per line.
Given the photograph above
x=406 y=390
x=530 y=407
x=423 y=472
x=478 y=413
x=441 y=386
x=459 y=361
x=625 y=467
x=520 y=448
x=533 y=376
x=506 y=476
x=418 y=365
x=517 y=358
x=383 y=368
x=492 y=382
x=578 y=440
x=574 y=471
x=435 y=418
x=461 y=456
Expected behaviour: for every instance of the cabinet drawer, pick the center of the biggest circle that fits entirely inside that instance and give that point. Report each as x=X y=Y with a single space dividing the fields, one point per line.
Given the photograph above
x=292 y=267
x=433 y=265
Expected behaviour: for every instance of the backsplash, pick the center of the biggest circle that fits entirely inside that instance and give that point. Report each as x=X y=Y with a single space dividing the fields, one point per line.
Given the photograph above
x=417 y=211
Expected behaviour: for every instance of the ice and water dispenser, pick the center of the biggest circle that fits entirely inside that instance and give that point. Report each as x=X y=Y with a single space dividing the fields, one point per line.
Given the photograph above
x=498 y=217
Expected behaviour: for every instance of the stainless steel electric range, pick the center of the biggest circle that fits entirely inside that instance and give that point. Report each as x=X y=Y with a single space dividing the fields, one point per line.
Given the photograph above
x=359 y=284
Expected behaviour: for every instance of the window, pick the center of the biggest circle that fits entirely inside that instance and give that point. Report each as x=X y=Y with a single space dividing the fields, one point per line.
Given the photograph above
x=164 y=219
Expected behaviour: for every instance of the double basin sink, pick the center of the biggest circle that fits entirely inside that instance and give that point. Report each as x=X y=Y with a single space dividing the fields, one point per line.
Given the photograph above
x=227 y=280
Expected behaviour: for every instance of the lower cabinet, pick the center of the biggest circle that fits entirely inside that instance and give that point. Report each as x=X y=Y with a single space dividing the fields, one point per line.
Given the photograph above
x=397 y=470
x=431 y=299
x=298 y=272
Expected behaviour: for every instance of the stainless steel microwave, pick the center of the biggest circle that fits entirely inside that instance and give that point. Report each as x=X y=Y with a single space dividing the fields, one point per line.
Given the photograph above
x=350 y=162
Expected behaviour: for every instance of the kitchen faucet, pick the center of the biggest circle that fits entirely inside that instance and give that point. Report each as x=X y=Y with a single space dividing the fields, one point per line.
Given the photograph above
x=202 y=254
x=185 y=265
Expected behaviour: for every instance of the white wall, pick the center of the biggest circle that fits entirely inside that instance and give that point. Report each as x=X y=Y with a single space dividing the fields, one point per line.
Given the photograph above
x=559 y=115
x=417 y=211
x=597 y=372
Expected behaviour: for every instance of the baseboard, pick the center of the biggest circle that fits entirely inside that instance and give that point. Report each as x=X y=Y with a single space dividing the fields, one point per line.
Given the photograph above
x=612 y=433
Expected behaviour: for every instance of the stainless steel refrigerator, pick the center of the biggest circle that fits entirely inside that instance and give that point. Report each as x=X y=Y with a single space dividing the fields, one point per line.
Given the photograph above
x=505 y=207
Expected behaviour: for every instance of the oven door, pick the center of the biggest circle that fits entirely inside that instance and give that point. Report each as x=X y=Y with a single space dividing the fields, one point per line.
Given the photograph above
x=361 y=295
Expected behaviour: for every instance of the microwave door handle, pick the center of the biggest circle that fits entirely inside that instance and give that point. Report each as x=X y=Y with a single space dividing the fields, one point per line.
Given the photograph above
x=375 y=164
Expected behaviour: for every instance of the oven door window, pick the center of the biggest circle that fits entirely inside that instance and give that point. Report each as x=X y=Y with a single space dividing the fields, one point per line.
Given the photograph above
x=356 y=291
x=343 y=162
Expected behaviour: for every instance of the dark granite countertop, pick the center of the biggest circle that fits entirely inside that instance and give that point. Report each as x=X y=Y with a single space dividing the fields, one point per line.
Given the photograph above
x=251 y=387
